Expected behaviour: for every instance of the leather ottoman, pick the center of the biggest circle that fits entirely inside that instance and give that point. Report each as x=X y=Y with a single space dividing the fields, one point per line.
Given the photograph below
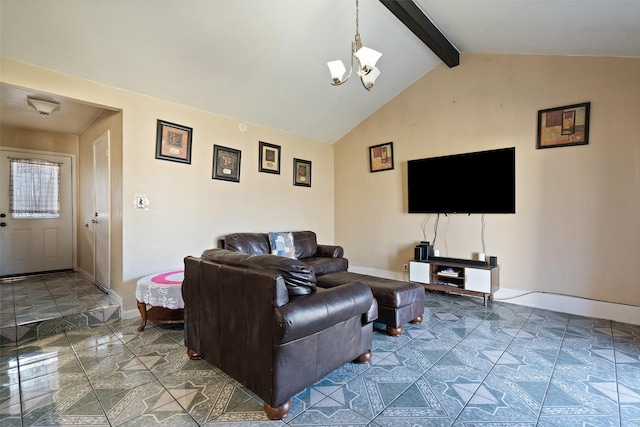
x=398 y=302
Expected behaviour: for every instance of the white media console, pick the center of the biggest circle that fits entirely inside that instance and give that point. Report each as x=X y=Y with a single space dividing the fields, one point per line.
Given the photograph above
x=456 y=276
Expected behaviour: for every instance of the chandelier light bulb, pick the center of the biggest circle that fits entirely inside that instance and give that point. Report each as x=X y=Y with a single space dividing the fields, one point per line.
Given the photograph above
x=366 y=57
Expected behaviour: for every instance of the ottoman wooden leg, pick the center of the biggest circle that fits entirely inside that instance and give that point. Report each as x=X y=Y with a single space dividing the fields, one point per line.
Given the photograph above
x=417 y=320
x=364 y=358
x=395 y=332
x=279 y=412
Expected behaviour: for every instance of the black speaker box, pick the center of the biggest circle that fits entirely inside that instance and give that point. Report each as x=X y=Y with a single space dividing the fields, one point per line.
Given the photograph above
x=493 y=261
x=420 y=253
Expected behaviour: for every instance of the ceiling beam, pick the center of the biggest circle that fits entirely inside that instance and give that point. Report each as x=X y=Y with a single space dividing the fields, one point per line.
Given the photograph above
x=415 y=20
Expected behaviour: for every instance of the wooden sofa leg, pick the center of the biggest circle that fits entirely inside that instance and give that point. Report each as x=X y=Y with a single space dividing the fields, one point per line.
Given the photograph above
x=417 y=320
x=278 y=412
x=364 y=357
x=193 y=355
x=395 y=332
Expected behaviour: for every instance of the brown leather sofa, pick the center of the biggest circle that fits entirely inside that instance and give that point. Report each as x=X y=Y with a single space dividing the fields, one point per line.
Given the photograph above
x=324 y=259
x=399 y=302
x=262 y=320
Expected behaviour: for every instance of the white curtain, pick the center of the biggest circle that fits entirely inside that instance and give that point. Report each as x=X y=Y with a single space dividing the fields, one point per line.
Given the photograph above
x=34 y=188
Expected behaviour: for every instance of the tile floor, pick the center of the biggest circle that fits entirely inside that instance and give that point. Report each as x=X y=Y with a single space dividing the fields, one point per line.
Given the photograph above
x=38 y=306
x=465 y=365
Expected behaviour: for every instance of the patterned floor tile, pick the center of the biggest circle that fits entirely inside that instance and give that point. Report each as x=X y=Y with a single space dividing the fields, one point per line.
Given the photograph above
x=454 y=390
x=346 y=373
x=418 y=405
x=64 y=394
x=567 y=398
x=369 y=393
x=11 y=416
x=169 y=415
x=522 y=393
x=53 y=384
x=137 y=401
x=328 y=412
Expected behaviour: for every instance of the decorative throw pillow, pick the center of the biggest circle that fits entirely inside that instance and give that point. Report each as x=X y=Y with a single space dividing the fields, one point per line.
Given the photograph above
x=282 y=244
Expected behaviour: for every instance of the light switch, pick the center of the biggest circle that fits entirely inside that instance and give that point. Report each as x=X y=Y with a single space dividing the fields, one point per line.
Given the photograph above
x=141 y=202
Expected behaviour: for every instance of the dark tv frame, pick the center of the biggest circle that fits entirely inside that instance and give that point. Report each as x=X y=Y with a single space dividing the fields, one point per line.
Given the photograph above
x=480 y=182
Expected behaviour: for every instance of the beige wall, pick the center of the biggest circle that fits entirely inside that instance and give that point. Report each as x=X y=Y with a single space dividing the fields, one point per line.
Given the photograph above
x=576 y=229
x=38 y=140
x=188 y=210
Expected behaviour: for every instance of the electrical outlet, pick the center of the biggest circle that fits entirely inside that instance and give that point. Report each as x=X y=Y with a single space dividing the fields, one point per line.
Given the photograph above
x=406 y=267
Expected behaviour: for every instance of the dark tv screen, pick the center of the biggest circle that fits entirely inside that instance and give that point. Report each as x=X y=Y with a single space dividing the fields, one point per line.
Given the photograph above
x=479 y=182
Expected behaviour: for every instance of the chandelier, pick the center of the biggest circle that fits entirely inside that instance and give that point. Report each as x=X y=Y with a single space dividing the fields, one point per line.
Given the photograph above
x=366 y=57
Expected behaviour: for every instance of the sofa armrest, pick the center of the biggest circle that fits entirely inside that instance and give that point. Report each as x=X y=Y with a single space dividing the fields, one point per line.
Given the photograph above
x=309 y=314
x=330 y=251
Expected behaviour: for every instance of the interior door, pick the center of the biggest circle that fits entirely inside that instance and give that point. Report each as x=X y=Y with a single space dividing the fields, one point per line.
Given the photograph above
x=31 y=243
x=101 y=220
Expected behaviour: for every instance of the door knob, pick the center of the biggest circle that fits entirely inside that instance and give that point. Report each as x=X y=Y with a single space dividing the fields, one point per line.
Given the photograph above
x=2 y=215
x=3 y=224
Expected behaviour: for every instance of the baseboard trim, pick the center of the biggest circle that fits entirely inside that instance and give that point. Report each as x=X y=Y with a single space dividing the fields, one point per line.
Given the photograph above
x=380 y=273
x=85 y=274
x=623 y=313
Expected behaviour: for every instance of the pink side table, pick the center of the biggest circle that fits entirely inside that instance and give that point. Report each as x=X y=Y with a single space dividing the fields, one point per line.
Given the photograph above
x=163 y=293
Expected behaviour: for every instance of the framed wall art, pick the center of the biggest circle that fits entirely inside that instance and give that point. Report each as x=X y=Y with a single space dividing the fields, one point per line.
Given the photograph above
x=173 y=142
x=226 y=164
x=302 y=172
x=269 y=158
x=562 y=126
x=381 y=157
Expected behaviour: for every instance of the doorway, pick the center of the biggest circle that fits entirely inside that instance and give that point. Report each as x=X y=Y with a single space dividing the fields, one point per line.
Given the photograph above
x=37 y=196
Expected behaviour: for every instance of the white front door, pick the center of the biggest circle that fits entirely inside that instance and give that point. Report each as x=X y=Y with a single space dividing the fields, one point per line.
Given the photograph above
x=32 y=242
x=101 y=218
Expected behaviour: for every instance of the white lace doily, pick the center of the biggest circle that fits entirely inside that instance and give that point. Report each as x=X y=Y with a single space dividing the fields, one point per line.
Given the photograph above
x=161 y=289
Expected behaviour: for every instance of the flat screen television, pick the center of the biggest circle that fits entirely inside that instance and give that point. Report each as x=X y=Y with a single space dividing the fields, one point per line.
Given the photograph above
x=479 y=182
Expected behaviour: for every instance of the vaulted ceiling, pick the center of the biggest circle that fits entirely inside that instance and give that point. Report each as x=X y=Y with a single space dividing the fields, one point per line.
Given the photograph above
x=264 y=61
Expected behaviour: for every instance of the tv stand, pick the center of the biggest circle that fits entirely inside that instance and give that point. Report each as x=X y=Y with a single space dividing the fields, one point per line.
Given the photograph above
x=459 y=276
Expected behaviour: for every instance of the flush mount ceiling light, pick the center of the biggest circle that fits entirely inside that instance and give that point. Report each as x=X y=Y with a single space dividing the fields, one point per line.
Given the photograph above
x=367 y=59
x=44 y=108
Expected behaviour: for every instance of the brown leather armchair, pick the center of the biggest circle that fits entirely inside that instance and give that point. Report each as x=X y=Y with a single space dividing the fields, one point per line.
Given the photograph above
x=261 y=320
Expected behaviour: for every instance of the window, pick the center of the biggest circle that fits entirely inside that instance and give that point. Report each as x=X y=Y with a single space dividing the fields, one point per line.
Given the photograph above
x=34 y=189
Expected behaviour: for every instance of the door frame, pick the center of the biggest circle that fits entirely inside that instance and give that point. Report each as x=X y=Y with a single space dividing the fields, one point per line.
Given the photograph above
x=74 y=182
x=105 y=137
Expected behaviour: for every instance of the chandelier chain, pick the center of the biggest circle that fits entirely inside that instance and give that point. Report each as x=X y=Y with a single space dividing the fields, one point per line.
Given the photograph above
x=357 y=19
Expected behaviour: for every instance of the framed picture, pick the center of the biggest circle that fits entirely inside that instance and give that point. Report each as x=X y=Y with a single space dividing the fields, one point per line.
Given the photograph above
x=302 y=172
x=381 y=157
x=562 y=126
x=226 y=164
x=173 y=142
x=269 y=158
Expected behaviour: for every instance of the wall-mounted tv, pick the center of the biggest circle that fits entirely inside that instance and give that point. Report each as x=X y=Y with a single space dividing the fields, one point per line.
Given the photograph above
x=479 y=182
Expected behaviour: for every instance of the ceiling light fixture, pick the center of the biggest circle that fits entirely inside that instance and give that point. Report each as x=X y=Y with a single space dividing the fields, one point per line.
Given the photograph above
x=44 y=108
x=367 y=59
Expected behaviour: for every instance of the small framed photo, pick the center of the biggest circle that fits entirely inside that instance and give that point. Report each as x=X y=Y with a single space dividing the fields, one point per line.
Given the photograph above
x=562 y=126
x=269 y=158
x=302 y=172
x=381 y=157
x=173 y=142
x=226 y=164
